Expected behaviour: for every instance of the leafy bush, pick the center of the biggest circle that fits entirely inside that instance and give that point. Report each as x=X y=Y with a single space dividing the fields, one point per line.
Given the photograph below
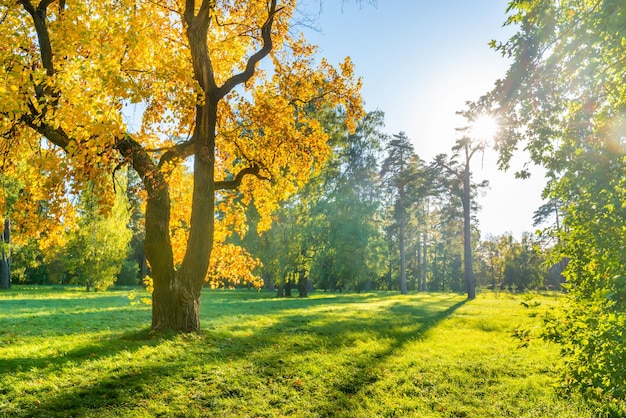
x=129 y=274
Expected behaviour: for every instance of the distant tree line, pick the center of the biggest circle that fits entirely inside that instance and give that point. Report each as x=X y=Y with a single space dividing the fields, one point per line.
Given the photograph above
x=378 y=217
x=375 y=217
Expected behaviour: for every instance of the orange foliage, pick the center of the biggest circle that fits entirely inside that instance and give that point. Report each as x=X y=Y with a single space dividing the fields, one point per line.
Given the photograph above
x=112 y=56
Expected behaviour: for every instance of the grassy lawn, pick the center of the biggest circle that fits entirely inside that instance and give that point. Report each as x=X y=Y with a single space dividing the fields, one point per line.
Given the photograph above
x=64 y=352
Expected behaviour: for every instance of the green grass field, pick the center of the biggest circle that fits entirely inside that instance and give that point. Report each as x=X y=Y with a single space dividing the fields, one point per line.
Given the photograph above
x=64 y=352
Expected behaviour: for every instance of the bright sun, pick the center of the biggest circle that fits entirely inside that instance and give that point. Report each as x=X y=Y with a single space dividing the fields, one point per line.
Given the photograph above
x=484 y=128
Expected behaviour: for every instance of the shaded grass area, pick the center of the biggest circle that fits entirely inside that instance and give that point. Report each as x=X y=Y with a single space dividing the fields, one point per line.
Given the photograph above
x=67 y=353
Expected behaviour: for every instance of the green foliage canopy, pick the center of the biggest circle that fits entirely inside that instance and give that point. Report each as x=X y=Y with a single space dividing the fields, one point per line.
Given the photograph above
x=564 y=100
x=97 y=247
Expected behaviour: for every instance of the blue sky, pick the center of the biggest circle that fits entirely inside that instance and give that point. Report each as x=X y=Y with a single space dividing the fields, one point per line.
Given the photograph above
x=420 y=61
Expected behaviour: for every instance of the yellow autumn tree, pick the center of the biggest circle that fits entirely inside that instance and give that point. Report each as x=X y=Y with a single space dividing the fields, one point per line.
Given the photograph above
x=69 y=70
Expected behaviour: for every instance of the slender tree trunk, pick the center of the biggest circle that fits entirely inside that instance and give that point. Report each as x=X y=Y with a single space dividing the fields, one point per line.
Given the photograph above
x=443 y=271
x=5 y=261
x=403 y=289
x=268 y=283
x=143 y=268
x=467 y=235
x=390 y=273
x=418 y=256
x=424 y=261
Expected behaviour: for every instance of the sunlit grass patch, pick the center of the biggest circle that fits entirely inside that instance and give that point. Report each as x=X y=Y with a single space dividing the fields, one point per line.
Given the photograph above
x=68 y=353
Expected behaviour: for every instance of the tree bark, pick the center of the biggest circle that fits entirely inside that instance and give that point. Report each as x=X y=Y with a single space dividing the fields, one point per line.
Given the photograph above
x=303 y=284
x=424 y=271
x=287 y=288
x=368 y=284
x=467 y=234
x=166 y=311
x=403 y=289
x=268 y=283
x=5 y=261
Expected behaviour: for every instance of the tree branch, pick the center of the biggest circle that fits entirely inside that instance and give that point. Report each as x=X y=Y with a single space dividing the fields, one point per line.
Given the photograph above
x=43 y=37
x=190 y=6
x=43 y=4
x=479 y=147
x=178 y=151
x=248 y=72
x=253 y=170
x=133 y=152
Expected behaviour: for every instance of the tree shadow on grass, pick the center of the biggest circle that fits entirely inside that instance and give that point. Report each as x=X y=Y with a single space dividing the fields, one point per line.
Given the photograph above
x=363 y=372
x=108 y=395
x=103 y=346
x=104 y=377
x=278 y=351
x=328 y=330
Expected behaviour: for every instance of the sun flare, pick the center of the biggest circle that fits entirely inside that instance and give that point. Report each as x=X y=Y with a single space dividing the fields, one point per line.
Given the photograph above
x=485 y=128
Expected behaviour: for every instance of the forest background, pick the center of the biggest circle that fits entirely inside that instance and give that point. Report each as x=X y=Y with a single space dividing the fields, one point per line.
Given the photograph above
x=293 y=183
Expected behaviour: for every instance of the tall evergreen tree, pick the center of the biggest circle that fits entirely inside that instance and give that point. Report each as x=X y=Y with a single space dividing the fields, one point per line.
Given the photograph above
x=402 y=173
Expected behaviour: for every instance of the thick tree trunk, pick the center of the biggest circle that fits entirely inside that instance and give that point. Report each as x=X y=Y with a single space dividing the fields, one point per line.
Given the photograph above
x=288 y=288
x=166 y=306
x=280 y=292
x=176 y=296
x=166 y=312
x=303 y=284
x=195 y=264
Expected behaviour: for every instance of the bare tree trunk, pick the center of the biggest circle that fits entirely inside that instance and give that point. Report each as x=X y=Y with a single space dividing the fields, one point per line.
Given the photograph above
x=268 y=282
x=280 y=292
x=143 y=268
x=403 y=289
x=467 y=235
x=5 y=261
x=303 y=284
x=424 y=261
x=287 y=288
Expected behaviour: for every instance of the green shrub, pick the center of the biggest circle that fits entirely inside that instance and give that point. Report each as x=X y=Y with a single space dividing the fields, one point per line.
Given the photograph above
x=129 y=274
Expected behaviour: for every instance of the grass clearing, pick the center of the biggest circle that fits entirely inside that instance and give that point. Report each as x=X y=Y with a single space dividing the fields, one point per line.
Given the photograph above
x=64 y=352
